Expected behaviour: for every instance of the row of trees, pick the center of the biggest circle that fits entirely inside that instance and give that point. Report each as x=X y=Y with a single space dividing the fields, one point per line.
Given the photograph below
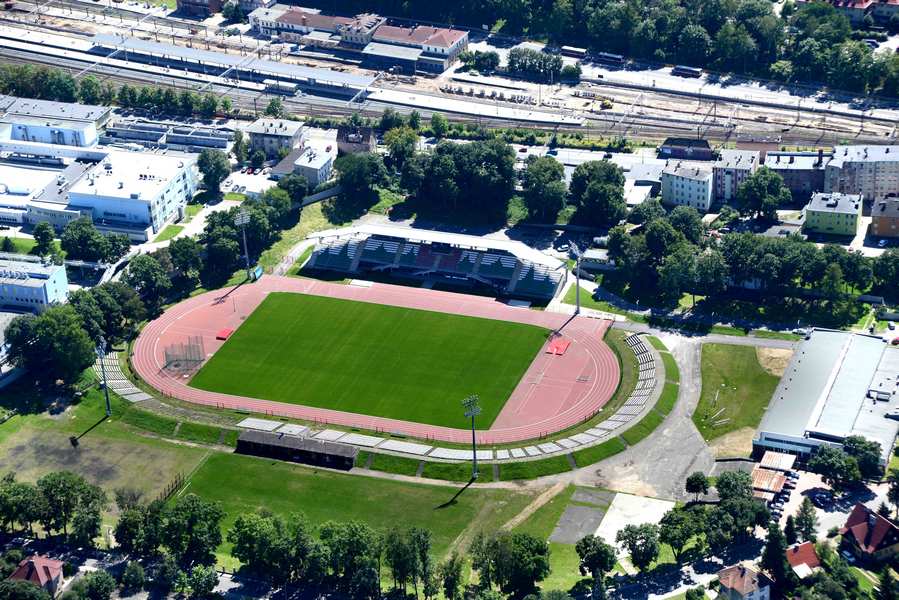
x=47 y=83
x=810 y=43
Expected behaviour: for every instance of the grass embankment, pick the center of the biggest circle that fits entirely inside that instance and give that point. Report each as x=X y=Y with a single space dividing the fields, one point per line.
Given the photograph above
x=391 y=362
x=735 y=390
x=245 y=484
x=168 y=233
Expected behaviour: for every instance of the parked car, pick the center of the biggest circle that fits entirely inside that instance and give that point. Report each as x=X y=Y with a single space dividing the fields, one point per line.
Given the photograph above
x=895 y=341
x=883 y=243
x=891 y=326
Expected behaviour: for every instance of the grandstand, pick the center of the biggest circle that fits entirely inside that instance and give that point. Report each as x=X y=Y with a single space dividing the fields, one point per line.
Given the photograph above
x=510 y=268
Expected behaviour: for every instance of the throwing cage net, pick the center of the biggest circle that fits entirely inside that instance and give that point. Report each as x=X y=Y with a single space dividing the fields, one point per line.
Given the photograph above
x=184 y=357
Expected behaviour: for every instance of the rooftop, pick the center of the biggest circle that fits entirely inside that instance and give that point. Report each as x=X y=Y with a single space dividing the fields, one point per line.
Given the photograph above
x=849 y=204
x=766 y=480
x=803 y=558
x=56 y=110
x=742 y=579
x=24 y=270
x=692 y=173
x=843 y=154
x=312 y=159
x=888 y=208
x=48 y=121
x=392 y=51
x=869 y=530
x=777 y=461
x=263 y=67
x=826 y=391
x=686 y=142
x=39 y=570
x=737 y=159
x=19 y=183
x=304 y=18
x=294 y=442
x=473 y=242
x=278 y=127
x=134 y=175
x=796 y=160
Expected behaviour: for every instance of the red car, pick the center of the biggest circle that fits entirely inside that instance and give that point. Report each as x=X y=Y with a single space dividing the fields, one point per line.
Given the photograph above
x=895 y=341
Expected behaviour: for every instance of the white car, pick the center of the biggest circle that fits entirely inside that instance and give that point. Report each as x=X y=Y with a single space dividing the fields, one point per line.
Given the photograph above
x=883 y=243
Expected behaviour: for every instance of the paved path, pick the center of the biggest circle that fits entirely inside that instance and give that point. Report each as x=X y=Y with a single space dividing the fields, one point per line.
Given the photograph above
x=710 y=338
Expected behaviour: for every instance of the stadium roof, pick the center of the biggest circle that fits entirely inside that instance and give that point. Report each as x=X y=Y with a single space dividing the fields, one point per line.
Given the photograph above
x=294 y=442
x=827 y=392
x=199 y=56
x=461 y=240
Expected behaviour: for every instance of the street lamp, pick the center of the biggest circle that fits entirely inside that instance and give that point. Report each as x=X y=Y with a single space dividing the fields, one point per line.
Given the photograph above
x=472 y=410
x=241 y=220
x=101 y=354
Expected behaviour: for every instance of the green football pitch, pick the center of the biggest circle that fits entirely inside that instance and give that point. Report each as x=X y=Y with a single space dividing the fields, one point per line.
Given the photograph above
x=373 y=359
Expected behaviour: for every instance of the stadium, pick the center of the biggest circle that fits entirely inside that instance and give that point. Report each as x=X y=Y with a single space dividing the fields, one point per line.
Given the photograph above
x=382 y=357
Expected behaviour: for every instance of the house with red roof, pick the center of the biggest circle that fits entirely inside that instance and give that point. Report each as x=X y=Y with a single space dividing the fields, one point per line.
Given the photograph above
x=869 y=536
x=42 y=571
x=803 y=559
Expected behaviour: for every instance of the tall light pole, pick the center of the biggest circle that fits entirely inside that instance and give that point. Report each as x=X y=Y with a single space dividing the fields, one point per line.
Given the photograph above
x=472 y=410
x=577 y=277
x=241 y=220
x=101 y=355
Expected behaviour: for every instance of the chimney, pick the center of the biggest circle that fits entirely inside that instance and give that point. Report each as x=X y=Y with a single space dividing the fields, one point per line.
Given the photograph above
x=792 y=158
x=820 y=157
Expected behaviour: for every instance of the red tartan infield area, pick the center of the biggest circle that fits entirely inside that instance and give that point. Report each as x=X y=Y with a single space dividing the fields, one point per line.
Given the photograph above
x=556 y=392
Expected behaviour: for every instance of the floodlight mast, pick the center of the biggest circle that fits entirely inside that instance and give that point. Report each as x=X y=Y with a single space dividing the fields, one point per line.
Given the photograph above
x=241 y=220
x=472 y=410
x=577 y=277
x=101 y=354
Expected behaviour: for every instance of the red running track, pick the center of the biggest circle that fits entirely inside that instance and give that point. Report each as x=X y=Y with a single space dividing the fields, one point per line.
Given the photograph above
x=555 y=393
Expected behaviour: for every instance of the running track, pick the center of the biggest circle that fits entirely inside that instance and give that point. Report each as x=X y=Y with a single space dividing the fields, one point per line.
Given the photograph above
x=555 y=393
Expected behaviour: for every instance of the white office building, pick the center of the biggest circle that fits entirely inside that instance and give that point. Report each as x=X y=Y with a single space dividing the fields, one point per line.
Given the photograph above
x=687 y=186
x=870 y=171
x=314 y=165
x=135 y=193
x=27 y=283
x=63 y=132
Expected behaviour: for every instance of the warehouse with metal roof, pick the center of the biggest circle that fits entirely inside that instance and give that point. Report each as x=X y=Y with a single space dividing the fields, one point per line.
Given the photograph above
x=838 y=384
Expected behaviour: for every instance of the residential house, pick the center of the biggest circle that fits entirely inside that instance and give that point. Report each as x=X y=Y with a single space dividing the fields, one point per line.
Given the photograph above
x=273 y=135
x=731 y=169
x=803 y=559
x=352 y=139
x=869 y=536
x=740 y=582
x=44 y=572
x=687 y=186
x=870 y=171
x=802 y=172
x=885 y=218
x=833 y=214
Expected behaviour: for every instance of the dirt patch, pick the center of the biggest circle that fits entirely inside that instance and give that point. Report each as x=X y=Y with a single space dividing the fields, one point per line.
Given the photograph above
x=774 y=360
x=733 y=444
x=533 y=506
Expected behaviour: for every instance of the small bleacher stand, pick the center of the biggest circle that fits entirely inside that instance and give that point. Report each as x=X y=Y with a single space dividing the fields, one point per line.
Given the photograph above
x=297 y=449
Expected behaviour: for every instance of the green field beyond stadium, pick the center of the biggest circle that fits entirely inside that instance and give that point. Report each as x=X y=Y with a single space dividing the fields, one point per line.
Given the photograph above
x=373 y=359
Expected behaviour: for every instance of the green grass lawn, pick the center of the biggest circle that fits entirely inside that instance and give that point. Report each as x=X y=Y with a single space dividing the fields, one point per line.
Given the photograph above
x=294 y=270
x=672 y=373
x=373 y=359
x=26 y=245
x=191 y=211
x=594 y=454
x=732 y=380
x=588 y=302
x=245 y=484
x=534 y=468
x=168 y=233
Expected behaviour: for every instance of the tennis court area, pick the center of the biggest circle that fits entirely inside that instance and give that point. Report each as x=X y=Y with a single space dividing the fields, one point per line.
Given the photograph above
x=373 y=359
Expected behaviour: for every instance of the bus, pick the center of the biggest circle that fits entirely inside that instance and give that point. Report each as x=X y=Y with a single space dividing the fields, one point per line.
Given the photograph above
x=609 y=58
x=277 y=86
x=573 y=52
x=683 y=71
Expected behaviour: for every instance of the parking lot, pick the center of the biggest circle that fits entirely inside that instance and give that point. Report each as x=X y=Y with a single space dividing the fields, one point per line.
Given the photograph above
x=250 y=184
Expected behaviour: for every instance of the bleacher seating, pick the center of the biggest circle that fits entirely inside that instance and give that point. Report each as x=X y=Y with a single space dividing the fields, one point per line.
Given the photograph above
x=379 y=251
x=497 y=266
x=467 y=262
x=337 y=255
x=449 y=263
x=409 y=255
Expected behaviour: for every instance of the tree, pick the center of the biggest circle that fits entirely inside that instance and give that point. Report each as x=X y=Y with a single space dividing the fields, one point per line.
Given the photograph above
x=43 y=238
x=439 y=125
x=390 y=119
x=90 y=90
x=214 y=167
x=697 y=484
x=133 y=578
x=806 y=521
x=400 y=557
x=401 y=143
x=187 y=256
x=790 y=531
x=597 y=558
x=734 y=485
x=51 y=346
x=734 y=47
x=528 y=564
x=232 y=12
x=676 y=529
x=645 y=212
x=866 y=453
x=359 y=173
x=296 y=187
x=774 y=557
x=81 y=240
x=641 y=542
x=202 y=581
x=275 y=108
x=762 y=193
x=191 y=530
x=209 y=104
x=148 y=278
x=415 y=120
x=21 y=590
x=257 y=159
x=697 y=593
x=225 y=103
x=239 y=148
x=837 y=469
x=893 y=488
x=352 y=548
x=7 y=245
x=544 y=187
x=98 y=585
x=887 y=588
x=450 y=572
x=687 y=220
x=602 y=205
